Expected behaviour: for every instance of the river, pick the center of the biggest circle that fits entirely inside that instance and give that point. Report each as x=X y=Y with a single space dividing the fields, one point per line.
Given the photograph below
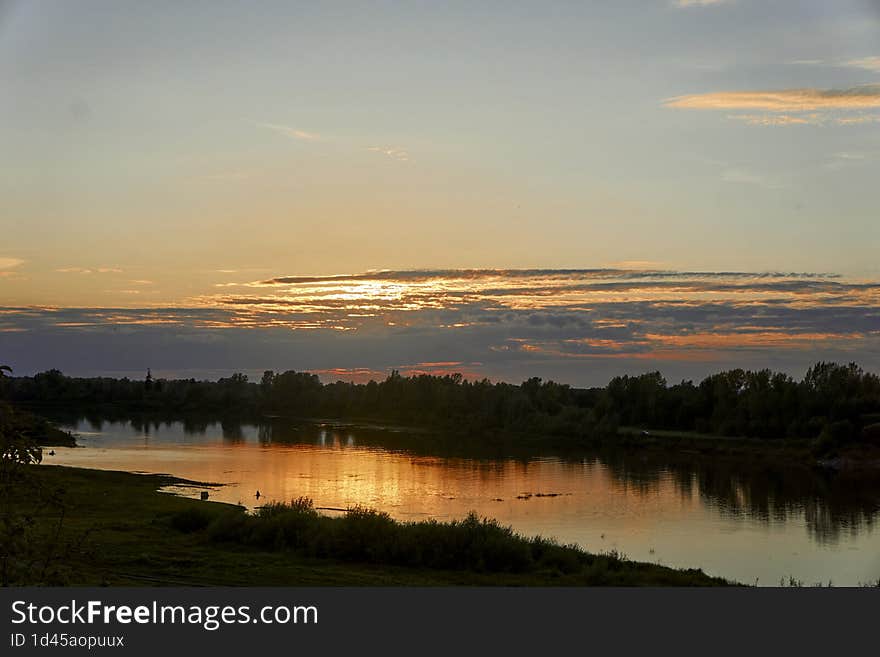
x=742 y=519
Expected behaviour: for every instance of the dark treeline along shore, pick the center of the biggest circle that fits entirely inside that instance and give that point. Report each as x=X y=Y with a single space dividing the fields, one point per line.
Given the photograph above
x=834 y=409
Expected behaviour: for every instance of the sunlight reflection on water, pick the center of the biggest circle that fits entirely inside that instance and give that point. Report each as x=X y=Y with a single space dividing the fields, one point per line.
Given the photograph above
x=765 y=524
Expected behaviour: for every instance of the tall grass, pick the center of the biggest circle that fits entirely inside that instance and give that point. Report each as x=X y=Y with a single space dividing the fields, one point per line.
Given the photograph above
x=366 y=535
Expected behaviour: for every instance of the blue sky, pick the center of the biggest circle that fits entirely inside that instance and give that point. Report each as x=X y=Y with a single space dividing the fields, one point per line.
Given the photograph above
x=154 y=153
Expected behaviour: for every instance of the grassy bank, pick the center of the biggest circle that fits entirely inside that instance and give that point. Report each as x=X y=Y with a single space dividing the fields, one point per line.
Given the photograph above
x=15 y=420
x=118 y=530
x=52 y=436
x=806 y=451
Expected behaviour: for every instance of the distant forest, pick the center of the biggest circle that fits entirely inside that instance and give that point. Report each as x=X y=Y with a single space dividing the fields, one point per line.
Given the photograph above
x=836 y=404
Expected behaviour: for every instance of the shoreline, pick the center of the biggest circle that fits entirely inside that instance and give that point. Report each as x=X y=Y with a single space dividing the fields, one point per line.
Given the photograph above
x=119 y=529
x=438 y=441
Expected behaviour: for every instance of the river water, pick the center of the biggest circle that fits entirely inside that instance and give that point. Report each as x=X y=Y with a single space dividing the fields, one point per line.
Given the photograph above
x=741 y=519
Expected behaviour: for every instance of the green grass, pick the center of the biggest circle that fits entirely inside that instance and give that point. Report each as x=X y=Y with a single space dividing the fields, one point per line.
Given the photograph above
x=118 y=530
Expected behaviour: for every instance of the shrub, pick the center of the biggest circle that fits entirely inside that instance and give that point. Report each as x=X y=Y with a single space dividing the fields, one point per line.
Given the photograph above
x=835 y=435
x=231 y=526
x=191 y=520
x=366 y=535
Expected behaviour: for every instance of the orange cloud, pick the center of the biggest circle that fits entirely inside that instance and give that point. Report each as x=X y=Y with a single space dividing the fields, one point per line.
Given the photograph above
x=779 y=119
x=10 y=263
x=741 y=339
x=785 y=100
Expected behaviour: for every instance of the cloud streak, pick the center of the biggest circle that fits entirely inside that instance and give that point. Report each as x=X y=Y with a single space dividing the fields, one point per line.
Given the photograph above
x=394 y=153
x=85 y=270
x=685 y=4
x=865 y=63
x=785 y=100
x=779 y=119
x=292 y=133
x=10 y=263
x=638 y=272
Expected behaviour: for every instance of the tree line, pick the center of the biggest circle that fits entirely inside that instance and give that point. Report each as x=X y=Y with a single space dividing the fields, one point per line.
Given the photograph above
x=837 y=403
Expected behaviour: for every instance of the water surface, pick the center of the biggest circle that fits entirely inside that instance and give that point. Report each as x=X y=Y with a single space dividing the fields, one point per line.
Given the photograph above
x=739 y=519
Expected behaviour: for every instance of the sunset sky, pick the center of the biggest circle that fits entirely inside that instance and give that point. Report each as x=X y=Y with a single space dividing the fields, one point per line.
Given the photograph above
x=566 y=189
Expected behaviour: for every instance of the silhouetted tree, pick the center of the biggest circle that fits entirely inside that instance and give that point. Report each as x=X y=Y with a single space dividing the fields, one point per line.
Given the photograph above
x=759 y=404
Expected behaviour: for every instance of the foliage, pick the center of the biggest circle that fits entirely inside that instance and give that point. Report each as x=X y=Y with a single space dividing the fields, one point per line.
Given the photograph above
x=25 y=553
x=833 y=404
x=362 y=535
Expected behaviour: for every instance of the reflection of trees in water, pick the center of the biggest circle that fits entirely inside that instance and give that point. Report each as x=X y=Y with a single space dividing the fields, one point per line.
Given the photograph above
x=850 y=506
x=264 y=434
x=832 y=504
x=232 y=431
x=195 y=426
x=288 y=432
x=144 y=425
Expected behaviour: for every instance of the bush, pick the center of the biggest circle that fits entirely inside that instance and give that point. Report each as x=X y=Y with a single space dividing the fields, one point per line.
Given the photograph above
x=283 y=526
x=373 y=536
x=834 y=436
x=231 y=526
x=191 y=520
x=365 y=535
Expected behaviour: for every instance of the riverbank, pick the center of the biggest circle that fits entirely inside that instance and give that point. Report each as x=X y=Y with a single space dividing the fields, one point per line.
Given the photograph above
x=16 y=420
x=461 y=441
x=858 y=456
x=428 y=441
x=431 y=441
x=118 y=530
